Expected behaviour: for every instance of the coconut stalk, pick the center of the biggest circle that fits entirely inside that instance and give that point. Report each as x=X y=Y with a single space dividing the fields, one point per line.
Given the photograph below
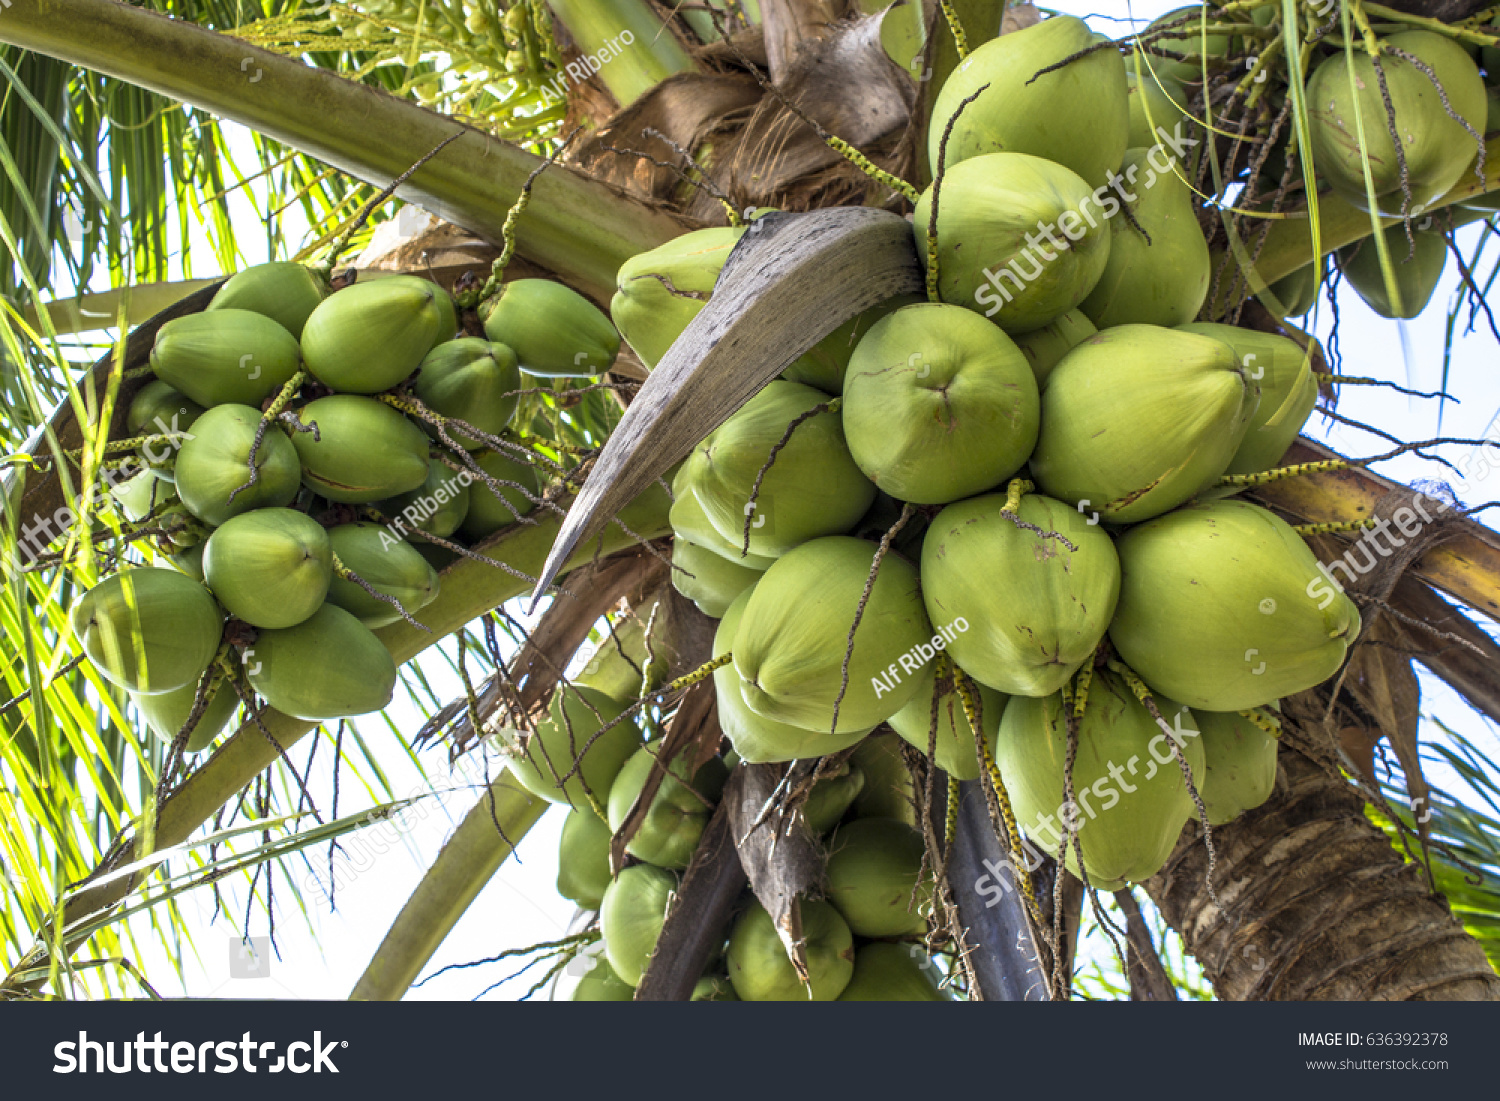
x=574 y=226
x=627 y=68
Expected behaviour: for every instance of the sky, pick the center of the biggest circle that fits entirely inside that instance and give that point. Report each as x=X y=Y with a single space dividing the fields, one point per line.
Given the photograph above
x=323 y=952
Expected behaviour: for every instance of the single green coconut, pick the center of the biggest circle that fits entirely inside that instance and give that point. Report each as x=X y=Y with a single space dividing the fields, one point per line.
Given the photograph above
x=270 y=567
x=1076 y=115
x=1154 y=102
x=1020 y=239
x=386 y=564
x=758 y=963
x=166 y=713
x=329 y=666
x=756 y=738
x=1045 y=347
x=1189 y=46
x=475 y=380
x=158 y=409
x=631 y=916
x=574 y=718
x=520 y=490
x=709 y=581
x=553 y=329
x=691 y=525
x=148 y=630
x=939 y=404
x=1437 y=147
x=1416 y=272
x=1130 y=800
x=601 y=984
x=282 y=290
x=888 y=790
x=675 y=820
x=1223 y=606
x=142 y=493
x=875 y=878
x=659 y=291
x=889 y=972
x=955 y=751
x=1288 y=392
x=1241 y=762
x=831 y=797
x=363 y=450
x=1158 y=267
x=214 y=466
x=1139 y=419
x=438 y=506
x=224 y=357
x=368 y=337
x=791 y=648
x=583 y=859
x=812 y=488
x=1021 y=606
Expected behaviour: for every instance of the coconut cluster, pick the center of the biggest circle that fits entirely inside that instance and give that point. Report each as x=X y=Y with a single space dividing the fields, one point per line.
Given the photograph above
x=303 y=465
x=1043 y=449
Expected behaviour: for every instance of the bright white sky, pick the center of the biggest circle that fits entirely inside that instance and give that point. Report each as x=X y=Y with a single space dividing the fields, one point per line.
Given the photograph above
x=326 y=952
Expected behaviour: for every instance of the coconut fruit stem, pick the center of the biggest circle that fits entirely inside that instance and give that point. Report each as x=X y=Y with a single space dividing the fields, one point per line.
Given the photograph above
x=956 y=28
x=1335 y=527
x=272 y=414
x=1265 y=721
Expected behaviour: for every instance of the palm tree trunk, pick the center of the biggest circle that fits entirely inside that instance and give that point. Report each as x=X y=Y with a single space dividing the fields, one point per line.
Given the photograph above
x=1315 y=905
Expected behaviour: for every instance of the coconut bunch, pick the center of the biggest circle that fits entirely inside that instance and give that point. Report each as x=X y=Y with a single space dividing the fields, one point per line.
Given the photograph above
x=1023 y=490
x=310 y=456
x=589 y=755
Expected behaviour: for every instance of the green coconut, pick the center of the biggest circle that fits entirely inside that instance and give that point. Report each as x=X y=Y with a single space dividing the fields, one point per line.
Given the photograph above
x=553 y=329
x=659 y=291
x=1139 y=419
x=1130 y=800
x=270 y=567
x=939 y=404
x=167 y=713
x=475 y=380
x=1288 y=392
x=709 y=581
x=1297 y=292
x=1241 y=762
x=888 y=790
x=756 y=738
x=363 y=450
x=1152 y=102
x=1021 y=609
x=574 y=718
x=832 y=796
x=282 y=290
x=142 y=492
x=758 y=963
x=601 y=984
x=875 y=878
x=812 y=488
x=631 y=916
x=617 y=661
x=668 y=836
x=792 y=643
x=520 y=488
x=226 y=357
x=824 y=365
x=999 y=249
x=158 y=409
x=388 y=565
x=214 y=466
x=1223 y=606
x=1157 y=274
x=956 y=753
x=691 y=525
x=887 y=972
x=1188 y=45
x=1437 y=147
x=1045 y=347
x=583 y=859
x=368 y=337
x=189 y=561
x=1416 y=272
x=438 y=506
x=1076 y=115
x=148 y=630
x=329 y=666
